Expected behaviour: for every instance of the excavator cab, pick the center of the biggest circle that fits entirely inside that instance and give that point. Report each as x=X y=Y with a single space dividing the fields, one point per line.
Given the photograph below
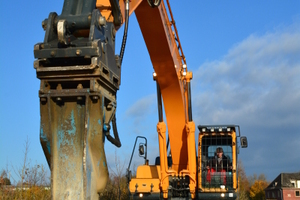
x=217 y=161
x=145 y=183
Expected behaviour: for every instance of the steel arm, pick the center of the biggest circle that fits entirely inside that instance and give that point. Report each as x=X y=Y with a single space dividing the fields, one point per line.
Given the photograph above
x=162 y=41
x=172 y=78
x=80 y=76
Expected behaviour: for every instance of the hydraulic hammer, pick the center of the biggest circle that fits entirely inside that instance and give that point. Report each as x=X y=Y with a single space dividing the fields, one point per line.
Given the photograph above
x=80 y=75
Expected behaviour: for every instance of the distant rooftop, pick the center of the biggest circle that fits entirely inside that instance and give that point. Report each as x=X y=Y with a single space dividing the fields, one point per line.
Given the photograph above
x=285 y=180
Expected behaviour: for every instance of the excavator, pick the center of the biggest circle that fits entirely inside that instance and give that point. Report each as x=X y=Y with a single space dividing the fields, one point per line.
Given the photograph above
x=80 y=74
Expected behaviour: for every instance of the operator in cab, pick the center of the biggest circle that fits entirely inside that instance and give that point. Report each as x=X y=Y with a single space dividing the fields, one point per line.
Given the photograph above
x=220 y=163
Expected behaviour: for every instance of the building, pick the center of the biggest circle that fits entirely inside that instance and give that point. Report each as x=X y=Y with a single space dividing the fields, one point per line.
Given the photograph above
x=284 y=186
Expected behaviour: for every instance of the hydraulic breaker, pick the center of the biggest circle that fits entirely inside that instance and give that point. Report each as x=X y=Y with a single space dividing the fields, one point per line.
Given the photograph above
x=80 y=75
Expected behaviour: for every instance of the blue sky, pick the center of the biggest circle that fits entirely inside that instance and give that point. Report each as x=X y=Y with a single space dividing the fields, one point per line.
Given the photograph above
x=246 y=65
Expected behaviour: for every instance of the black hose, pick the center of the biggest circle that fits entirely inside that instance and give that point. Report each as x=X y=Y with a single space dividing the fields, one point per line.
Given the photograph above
x=159 y=103
x=190 y=102
x=125 y=32
x=116 y=140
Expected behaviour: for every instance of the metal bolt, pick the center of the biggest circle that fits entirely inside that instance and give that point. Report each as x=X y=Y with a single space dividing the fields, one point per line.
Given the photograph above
x=107 y=128
x=52 y=53
x=58 y=99
x=36 y=64
x=95 y=97
x=109 y=106
x=37 y=47
x=59 y=87
x=79 y=86
x=79 y=98
x=44 y=24
x=78 y=52
x=102 y=21
x=43 y=99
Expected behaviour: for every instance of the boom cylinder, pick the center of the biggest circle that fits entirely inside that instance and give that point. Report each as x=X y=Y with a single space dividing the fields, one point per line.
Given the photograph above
x=189 y=102
x=159 y=103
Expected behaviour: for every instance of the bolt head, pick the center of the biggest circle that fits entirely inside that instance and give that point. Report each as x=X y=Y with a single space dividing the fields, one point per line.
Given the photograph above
x=43 y=99
x=102 y=21
x=78 y=52
x=52 y=53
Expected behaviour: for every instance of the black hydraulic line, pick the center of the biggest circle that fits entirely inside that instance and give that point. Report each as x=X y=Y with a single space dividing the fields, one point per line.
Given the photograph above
x=159 y=106
x=125 y=32
x=189 y=102
x=116 y=140
x=159 y=103
x=168 y=142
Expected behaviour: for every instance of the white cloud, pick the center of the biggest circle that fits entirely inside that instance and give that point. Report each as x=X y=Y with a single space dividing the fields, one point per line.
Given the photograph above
x=256 y=85
x=142 y=107
x=140 y=112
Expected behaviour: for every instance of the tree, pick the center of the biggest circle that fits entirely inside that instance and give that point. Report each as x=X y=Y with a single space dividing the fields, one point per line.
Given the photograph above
x=258 y=185
x=243 y=183
x=257 y=190
x=21 y=171
x=116 y=187
x=35 y=178
x=4 y=180
x=252 y=179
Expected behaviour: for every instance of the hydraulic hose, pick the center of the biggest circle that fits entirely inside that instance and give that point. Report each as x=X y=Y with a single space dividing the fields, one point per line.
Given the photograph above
x=190 y=102
x=125 y=32
x=116 y=140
